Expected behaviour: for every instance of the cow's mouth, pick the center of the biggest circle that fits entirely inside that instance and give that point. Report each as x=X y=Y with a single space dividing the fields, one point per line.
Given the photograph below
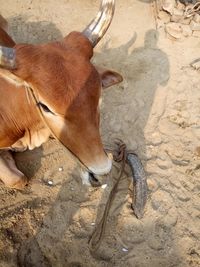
x=97 y=177
x=94 y=180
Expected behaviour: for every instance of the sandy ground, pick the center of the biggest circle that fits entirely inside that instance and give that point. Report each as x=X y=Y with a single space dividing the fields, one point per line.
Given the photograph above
x=155 y=111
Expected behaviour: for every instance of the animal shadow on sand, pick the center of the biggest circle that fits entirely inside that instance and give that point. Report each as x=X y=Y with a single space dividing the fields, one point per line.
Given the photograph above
x=35 y=32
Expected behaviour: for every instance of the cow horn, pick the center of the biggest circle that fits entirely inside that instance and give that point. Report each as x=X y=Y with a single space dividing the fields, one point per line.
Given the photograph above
x=7 y=57
x=99 y=25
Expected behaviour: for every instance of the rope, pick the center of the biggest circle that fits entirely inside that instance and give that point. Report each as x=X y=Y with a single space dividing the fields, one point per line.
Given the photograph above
x=119 y=155
x=140 y=192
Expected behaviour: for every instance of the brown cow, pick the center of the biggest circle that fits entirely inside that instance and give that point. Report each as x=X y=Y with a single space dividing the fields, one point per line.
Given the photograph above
x=53 y=89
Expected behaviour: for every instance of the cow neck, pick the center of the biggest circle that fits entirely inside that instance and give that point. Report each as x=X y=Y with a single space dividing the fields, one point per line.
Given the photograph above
x=30 y=95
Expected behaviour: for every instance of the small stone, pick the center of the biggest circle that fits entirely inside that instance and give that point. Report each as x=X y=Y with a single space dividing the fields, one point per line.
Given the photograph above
x=104 y=186
x=170 y=219
x=155 y=204
x=161 y=201
x=163 y=164
x=177 y=12
x=185 y=21
x=175 y=18
x=197 y=151
x=93 y=223
x=124 y=249
x=196 y=34
x=132 y=232
x=133 y=144
x=175 y=182
x=164 y=16
x=196 y=65
x=50 y=182
x=196 y=18
x=180 y=6
x=168 y=5
x=186 y=30
x=180 y=162
x=155 y=243
x=183 y=197
x=194 y=26
x=154 y=138
x=152 y=185
x=174 y=30
x=177 y=15
x=60 y=169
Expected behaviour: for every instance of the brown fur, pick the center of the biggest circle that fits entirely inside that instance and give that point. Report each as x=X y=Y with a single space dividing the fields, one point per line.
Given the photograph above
x=63 y=78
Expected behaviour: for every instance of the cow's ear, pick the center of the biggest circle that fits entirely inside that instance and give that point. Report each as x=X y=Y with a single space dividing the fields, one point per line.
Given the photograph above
x=109 y=77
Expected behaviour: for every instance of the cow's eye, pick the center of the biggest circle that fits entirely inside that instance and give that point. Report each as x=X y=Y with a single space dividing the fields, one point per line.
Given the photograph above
x=44 y=107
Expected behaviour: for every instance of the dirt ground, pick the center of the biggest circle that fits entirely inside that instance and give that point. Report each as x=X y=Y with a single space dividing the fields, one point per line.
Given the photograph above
x=156 y=111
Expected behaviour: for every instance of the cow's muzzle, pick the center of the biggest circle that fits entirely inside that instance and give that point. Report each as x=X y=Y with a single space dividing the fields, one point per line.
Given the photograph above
x=103 y=167
x=97 y=174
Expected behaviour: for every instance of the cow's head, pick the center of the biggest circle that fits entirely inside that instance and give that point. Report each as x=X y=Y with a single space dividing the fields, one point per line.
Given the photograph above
x=68 y=87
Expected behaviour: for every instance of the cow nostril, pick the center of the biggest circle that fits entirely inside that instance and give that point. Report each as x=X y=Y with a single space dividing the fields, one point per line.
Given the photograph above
x=93 y=180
